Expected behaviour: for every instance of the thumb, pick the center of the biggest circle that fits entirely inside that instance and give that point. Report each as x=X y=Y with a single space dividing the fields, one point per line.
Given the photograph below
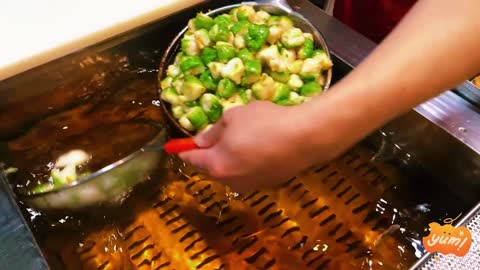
x=210 y=137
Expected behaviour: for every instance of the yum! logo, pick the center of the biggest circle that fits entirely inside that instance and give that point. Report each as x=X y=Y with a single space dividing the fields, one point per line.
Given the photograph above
x=447 y=239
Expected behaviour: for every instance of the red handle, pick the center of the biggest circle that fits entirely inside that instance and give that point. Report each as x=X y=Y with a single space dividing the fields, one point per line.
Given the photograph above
x=176 y=146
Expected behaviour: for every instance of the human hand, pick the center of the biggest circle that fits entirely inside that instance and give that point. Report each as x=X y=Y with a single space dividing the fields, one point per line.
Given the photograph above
x=260 y=145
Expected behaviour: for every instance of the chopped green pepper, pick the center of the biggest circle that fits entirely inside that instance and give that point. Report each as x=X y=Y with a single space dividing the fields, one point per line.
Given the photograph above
x=189 y=46
x=208 y=81
x=202 y=38
x=192 y=88
x=282 y=92
x=208 y=55
x=197 y=117
x=212 y=107
x=253 y=67
x=203 y=21
x=219 y=33
x=245 y=54
x=224 y=19
x=256 y=36
x=307 y=50
x=282 y=77
x=263 y=89
x=310 y=89
x=293 y=38
x=245 y=12
x=192 y=65
x=240 y=27
x=226 y=88
x=225 y=51
x=170 y=95
x=166 y=82
x=234 y=70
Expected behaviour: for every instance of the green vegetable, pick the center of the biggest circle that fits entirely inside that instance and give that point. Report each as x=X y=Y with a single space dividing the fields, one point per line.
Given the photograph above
x=203 y=21
x=178 y=111
x=226 y=88
x=58 y=178
x=240 y=27
x=295 y=82
x=208 y=81
x=178 y=84
x=216 y=69
x=249 y=79
x=197 y=117
x=231 y=59
x=211 y=106
x=192 y=65
x=253 y=67
x=234 y=70
x=190 y=104
x=307 y=50
x=245 y=12
x=274 y=34
x=311 y=69
x=295 y=67
x=166 y=82
x=170 y=95
x=185 y=123
x=273 y=20
x=295 y=98
x=42 y=188
x=225 y=51
x=318 y=52
x=283 y=77
x=245 y=95
x=219 y=32
x=224 y=19
x=293 y=38
x=208 y=55
x=261 y=17
x=256 y=36
x=202 y=38
x=285 y=23
x=263 y=89
x=310 y=89
x=239 y=42
x=245 y=54
x=192 y=88
x=266 y=55
x=282 y=92
x=189 y=46
x=173 y=71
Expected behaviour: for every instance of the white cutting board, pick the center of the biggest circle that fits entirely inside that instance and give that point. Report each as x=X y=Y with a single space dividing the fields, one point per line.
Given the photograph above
x=33 y=32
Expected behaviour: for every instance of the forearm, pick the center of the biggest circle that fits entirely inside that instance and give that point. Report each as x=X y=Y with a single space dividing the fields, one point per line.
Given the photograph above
x=434 y=48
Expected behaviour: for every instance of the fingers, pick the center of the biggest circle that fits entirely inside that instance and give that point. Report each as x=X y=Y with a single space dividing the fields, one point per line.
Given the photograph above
x=210 y=137
x=201 y=159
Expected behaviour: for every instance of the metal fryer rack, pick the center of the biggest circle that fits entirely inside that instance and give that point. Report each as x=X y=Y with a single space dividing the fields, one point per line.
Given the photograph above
x=328 y=218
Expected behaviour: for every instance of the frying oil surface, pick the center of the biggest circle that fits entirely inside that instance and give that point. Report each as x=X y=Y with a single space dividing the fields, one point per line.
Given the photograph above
x=110 y=122
x=349 y=214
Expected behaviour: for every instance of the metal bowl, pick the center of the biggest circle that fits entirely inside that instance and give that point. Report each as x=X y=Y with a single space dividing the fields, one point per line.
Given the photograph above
x=276 y=7
x=107 y=186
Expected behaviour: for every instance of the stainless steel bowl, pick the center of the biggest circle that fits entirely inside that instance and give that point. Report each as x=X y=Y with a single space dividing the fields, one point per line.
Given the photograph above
x=276 y=7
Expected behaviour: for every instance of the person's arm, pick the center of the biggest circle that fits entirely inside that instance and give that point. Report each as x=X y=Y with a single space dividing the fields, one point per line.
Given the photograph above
x=435 y=47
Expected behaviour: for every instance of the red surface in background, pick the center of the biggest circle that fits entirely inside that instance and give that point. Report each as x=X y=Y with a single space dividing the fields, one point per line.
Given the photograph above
x=372 y=18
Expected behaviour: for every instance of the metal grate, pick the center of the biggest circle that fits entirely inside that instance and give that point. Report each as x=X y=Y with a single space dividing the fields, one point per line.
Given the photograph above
x=327 y=218
x=470 y=261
